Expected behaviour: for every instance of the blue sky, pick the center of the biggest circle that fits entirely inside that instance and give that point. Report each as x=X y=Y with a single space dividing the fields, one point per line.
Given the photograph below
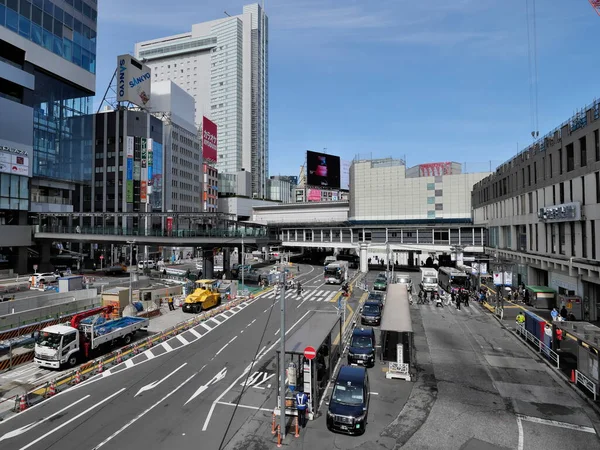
x=427 y=80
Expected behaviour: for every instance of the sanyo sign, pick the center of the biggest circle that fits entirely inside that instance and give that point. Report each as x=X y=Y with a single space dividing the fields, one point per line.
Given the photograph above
x=133 y=81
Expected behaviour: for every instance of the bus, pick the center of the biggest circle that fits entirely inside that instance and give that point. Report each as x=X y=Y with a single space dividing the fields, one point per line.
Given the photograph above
x=336 y=272
x=452 y=280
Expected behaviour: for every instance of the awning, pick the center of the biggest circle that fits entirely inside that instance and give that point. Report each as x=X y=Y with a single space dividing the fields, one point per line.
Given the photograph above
x=313 y=331
x=396 y=312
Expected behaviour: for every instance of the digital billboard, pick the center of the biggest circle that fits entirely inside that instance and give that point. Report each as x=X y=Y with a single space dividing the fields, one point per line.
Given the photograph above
x=314 y=195
x=133 y=81
x=209 y=140
x=322 y=170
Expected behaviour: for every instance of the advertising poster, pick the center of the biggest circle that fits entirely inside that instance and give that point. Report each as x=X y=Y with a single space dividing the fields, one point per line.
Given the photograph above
x=14 y=161
x=322 y=170
x=314 y=195
x=144 y=191
x=144 y=158
x=209 y=140
x=133 y=81
x=149 y=156
x=169 y=225
x=345 y=176
x=498 y=280
x=129 y=168
x=130 y=146
x=435 y=169
x=129 y=192
x=136 y=171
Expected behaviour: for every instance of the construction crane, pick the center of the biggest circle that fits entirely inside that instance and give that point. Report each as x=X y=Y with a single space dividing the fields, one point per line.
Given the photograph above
x=596 y=5
x=76 y=319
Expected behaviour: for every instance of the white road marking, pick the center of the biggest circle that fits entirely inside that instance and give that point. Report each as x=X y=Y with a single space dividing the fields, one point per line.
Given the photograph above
x=183 y=340
x=218 y=377
x=259 y=354
x=54 y=430
x=26 y=428
x=215 y=321
x=129 y=363
x=195 y=333
x=156 y=383
x=277 y=332
x=205 y=326
x=521 y=437
x=246 y=370
x=555 y=423
x=256 y=408
x=251 y=323
x=167 y=347
x=149 y=354
x=225 y=346
x=330 y=296
x=142 y=414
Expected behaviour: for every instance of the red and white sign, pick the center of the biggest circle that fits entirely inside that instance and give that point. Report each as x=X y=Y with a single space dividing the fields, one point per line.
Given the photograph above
x=435 y=169
x=144 y=191
x=209 y=139
x=101 y=256
x=169 y=225
x=310 y=352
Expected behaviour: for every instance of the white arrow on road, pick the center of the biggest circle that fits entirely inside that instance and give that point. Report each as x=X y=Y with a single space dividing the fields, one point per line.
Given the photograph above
x=156 y=383
x=218 y=377
x=26 y=428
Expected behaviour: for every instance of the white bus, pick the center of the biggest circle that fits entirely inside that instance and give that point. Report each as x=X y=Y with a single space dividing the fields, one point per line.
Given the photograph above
x=452 y=280
x=336 y=272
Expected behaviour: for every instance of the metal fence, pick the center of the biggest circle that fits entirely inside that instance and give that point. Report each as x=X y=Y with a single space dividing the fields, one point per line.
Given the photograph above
x=586 y=382
x=542 y=348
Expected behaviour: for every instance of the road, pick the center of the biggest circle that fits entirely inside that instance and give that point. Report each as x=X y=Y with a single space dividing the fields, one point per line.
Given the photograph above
x=180 y=392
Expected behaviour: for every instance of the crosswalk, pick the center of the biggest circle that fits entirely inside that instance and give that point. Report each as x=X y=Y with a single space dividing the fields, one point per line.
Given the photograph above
x=472 y=310
x=317 y=295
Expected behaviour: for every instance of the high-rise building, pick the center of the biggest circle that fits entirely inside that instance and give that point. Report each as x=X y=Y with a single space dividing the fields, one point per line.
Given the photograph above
x=224 y=65
x=47 y=84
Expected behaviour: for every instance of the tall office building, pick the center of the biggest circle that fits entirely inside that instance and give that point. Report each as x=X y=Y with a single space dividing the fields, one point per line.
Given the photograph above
x=47 y=84
x=224 y=65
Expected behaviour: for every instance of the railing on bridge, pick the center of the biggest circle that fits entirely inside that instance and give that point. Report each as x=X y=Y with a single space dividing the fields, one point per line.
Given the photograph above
x=255 y=232
x=542 y=348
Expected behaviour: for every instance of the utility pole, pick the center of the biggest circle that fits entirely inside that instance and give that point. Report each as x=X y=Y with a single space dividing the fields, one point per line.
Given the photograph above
x=243 y=262
x=387 y=259
x=282 y=357
x=131 y=271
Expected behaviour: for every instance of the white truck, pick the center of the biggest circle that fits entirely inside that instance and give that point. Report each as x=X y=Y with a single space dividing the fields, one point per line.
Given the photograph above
x=62 y=345
x=336 y=272
x=429 y=279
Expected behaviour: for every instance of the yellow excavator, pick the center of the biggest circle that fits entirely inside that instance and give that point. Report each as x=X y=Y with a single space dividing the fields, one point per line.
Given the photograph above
x=205 y=296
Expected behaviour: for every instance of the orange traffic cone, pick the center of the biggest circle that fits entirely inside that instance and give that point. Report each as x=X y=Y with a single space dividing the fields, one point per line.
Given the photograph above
x=297 y=428
x=100 y=366
x=273 y=425
x=77 y=377
x=22 y=404
x=573 y=376
x=119 y=357
x=279 y=436
x=52 y=390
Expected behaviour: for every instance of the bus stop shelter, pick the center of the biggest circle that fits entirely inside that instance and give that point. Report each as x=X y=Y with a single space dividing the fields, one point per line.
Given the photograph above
x=321 y=330
x=397 y=333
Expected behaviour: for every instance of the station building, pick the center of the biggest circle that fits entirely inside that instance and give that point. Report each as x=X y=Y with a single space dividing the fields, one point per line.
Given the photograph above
x=542 y=210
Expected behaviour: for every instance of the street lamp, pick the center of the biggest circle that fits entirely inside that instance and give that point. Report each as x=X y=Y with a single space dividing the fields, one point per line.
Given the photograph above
x=130 y=270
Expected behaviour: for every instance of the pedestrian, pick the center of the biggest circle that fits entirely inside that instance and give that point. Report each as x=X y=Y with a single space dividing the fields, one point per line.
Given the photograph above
x=554 y=314
x=526 y=297
x=298 y=268
x=301 y=406
x=563 y=312
x=170 y=301
x=559 y=338
x=458 y=299
x=520 y=319
x=453 y=296
x=466 y=297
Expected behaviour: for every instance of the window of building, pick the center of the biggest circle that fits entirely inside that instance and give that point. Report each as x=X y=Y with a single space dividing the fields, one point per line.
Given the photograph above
x=562 y=192
x=570 y=158
x=431 y=186
x=593 y=226
x=561 y=238
x=534 y=172
x=554 y=194
x=597 y=144
x=430 y=200
x=529 y=175
x=550 y=162
x=530 y=198
x=438 y=192
x=572 y=227
x=583 y=151
x=530 y=237
x=571 y=190
x=439 y=206
x=583 y=190
x=560 y=161
x=537 y=240
x=583 y=238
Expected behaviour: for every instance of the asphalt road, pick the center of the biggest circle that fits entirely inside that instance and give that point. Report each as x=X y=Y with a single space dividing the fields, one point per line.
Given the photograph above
x=175 y=395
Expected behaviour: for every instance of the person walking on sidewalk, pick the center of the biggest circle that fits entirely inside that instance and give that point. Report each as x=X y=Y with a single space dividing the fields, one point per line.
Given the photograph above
x=520 y=319
x=554 y=314
x=458 y=300
x=301 y=405
x=466 y=297
x=564 y=313
x=170 y=301
x=559 y=338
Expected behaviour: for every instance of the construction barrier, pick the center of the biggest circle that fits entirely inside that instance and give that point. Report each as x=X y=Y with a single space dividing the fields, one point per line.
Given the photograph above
x=16 y=360
x=28 y=329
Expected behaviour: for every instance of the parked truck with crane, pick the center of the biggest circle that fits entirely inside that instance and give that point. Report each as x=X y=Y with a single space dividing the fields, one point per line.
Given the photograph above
x=84 y=337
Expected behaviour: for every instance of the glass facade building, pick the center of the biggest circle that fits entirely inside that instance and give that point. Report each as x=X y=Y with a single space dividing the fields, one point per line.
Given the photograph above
x=67 y=28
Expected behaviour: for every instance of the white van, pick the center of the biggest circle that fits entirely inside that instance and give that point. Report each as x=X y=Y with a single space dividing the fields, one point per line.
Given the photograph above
x=429 y=279
x=146 y=264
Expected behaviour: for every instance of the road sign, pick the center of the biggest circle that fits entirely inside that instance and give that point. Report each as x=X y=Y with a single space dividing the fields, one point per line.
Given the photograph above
x=310 y=352
x=101 y=256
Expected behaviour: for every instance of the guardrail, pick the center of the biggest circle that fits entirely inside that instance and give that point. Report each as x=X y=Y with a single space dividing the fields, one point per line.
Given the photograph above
x=586 y=382
x=99 y=365
x=542 y=348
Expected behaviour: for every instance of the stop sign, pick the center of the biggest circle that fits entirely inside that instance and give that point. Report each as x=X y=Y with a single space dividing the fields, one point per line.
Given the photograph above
x=310 y=352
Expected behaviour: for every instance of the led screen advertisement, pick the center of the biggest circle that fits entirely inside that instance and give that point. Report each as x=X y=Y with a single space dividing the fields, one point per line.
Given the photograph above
x=133 y=81
x=322 y=170
x=209 y=140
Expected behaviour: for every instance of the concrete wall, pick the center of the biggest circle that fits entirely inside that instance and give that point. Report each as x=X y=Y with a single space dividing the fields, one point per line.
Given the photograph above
x=44 y=300
x=302 y=213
